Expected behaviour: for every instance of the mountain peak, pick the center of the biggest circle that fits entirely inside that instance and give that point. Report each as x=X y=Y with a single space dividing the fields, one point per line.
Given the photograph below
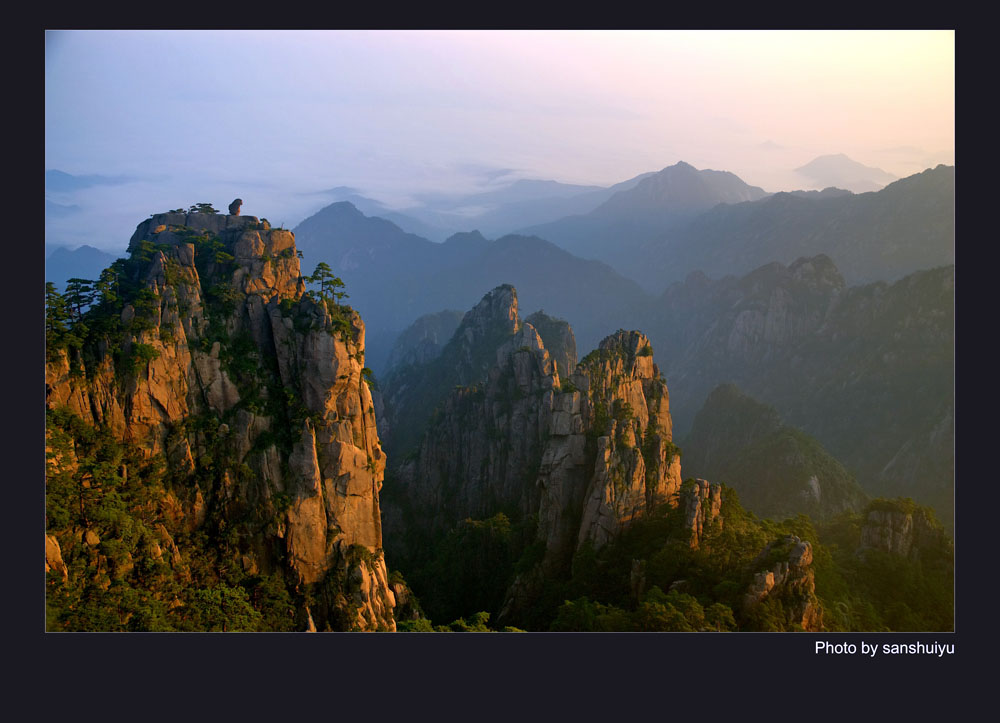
x=498 y=306
x=466 y=237
x=839 y=170
x=680 y=189
x=344 y=208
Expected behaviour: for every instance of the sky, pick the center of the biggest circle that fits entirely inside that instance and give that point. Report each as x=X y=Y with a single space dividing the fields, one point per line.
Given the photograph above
x=166 y=119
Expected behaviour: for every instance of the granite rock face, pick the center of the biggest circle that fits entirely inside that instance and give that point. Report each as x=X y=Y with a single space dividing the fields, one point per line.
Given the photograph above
x=411 y=392
x=583 y=453
x=791 y=579
x=482 y=453
x=53 y=557
x=901 y=528
x=636 y=468
x=273 y=376
x=702 y=502
x=559 y=340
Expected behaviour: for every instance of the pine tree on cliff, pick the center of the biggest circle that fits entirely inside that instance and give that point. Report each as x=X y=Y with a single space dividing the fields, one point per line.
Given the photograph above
x=80 y=294
x=56 y=315
x=328 y=283
x=202 y=208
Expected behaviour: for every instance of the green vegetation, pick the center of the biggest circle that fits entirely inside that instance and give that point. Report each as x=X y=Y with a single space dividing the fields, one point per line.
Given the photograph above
x=876 y=590
x=329 y=295
x=202 y=208
x=452 y=574
x=131 y=566
x=778 y=470
x=705 y=587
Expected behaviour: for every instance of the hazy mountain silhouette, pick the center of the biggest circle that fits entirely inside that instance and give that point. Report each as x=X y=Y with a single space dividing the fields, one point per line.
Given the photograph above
x=907 y=226
x=843 y=172
x=60 y=181
x=394 y=277
x=85 y=262
x=495 y=213
x=657 y=203
x=408 y=223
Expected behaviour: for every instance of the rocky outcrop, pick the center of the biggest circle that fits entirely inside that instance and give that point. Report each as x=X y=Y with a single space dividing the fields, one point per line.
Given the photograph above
x=787 y=576
x=867 y=371
x=53 y=557
x=636 y=467
x=583 y=454
x=559 y=340
x=234 y=207
x=482 y=454
x=702 y=502
x=412 y=394
x=902 y=528
x=253 y=392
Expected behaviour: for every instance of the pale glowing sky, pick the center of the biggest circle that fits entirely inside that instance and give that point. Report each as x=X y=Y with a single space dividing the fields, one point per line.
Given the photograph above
x=274 y=117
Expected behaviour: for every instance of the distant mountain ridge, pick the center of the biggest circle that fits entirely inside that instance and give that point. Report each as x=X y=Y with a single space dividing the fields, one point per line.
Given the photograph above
x=839 y=170
x=907 y=226
x=394 y=277
x=680 y=189
x=60 y=181
x=682 y=220
x=85 y=262
x=495 y=213
x=658 y=202
x=869 y=371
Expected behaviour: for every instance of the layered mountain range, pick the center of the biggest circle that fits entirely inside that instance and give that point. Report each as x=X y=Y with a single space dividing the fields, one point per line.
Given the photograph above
x=554 y=499
x=221 y=455
x=395 y=277
x=665 y=226
x=867 y=370
x=572 y=461
x=683 y=219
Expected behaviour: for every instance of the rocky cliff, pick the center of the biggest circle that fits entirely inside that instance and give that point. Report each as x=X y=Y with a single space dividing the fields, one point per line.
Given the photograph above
x=205 y=351
x=636 y=468
x=787 y=582
x=579 y=454
x=868 y=371
x=902 y=528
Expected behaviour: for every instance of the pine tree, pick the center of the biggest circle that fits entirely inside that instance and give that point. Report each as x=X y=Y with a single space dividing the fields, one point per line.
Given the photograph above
x=56 y=316
x=80 y=294
x=328 y=283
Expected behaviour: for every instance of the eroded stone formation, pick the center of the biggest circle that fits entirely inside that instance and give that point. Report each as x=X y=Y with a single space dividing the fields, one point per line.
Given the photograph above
x=791 y=579
x=587 y=451
x=900 y=528
x=297 y=453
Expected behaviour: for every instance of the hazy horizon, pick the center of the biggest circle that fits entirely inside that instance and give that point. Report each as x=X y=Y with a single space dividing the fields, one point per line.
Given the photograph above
x=278 y=117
